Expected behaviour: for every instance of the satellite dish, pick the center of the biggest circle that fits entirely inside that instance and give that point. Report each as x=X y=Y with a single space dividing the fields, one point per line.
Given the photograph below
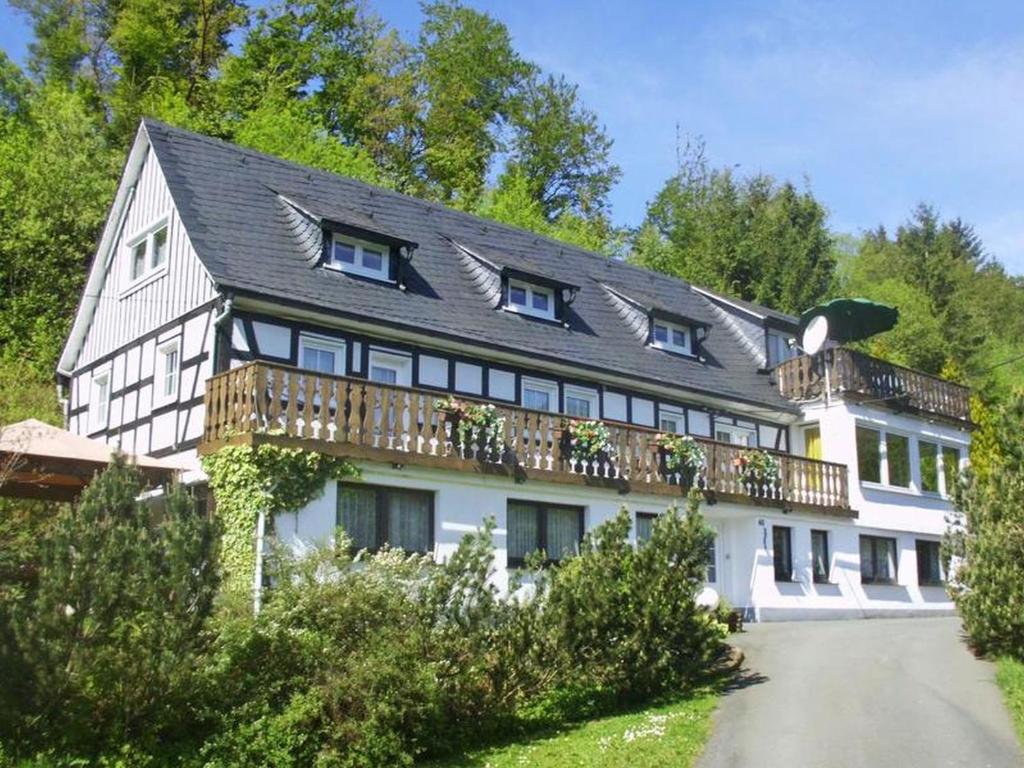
x=815 y=335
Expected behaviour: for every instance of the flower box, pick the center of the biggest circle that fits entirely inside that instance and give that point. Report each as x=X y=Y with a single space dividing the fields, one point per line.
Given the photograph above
x=586 y=446
x=476 y=430
x=680 y=458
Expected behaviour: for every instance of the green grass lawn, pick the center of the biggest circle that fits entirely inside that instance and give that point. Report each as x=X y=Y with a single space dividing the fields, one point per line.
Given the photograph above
x=1010 y=675
x=666 y=735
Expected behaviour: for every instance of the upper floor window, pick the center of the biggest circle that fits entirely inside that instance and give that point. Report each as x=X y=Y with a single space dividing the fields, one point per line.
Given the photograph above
x=99 y=400
x=360 y=257
x=670 y=336
x=671 y=419
x=529 y=299
x=147 y=252
x=321 y=354
x=389 y=368
x=779 y=349
x=168 y=371
x=540 y=395
x=735 y=434
x=580 y=402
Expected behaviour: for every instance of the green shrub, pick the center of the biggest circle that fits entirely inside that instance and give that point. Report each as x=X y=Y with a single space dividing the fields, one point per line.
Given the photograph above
x=986 y=540
x=111 y=633
x=624 y=620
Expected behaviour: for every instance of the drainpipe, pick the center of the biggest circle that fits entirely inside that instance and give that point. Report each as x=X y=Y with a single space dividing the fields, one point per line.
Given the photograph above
x=224 y=313
x=257 y=576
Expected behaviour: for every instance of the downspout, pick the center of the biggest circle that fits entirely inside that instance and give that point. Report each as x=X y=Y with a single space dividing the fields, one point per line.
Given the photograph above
x=224 y=313
x=257 y=576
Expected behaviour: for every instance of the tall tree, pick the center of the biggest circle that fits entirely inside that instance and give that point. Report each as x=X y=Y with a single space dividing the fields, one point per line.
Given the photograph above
x=560 y=148
x=469 y=72
x=751 y=237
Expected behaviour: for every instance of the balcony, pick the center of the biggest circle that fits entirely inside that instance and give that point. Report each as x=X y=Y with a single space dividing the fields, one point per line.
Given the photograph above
x=860 y=377
x=358 y=419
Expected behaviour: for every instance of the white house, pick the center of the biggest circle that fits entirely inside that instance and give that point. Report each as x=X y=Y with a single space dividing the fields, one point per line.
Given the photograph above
x=236 y=296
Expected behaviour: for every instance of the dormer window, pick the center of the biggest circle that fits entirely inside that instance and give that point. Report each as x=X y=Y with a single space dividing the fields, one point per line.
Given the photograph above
x=147 y=252
x=671 y=337
x=360 y=257
x=529 y=299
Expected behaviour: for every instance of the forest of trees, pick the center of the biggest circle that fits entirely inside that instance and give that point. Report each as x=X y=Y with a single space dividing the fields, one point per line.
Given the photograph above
x=455 y=114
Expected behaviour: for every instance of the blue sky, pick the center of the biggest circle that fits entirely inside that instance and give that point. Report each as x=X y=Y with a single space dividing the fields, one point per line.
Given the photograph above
x=878 y=105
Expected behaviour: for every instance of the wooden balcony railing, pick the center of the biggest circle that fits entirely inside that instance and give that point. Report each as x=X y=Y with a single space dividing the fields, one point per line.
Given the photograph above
x=361 y=419
x=855 y=374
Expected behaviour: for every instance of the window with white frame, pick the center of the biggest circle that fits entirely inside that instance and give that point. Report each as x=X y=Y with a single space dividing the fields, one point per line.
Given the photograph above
x=883 y=457
x=580 y=402
x=735 y=434
x=147 y=252
x=321 y=354
x=168 y=371
x=671 y=419
x=670 y=336
x=360 y=257
x=99 y=400
x=530 y=299
x=390 y=368
x=540 y=395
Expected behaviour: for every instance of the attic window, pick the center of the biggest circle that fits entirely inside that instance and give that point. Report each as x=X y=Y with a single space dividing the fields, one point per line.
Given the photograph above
x=360 y=257
x=147 y=252
x=528 y=299
x=671 y=337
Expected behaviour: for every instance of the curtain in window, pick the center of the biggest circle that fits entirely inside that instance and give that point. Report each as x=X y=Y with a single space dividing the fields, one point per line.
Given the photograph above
x=886 y=559
x=563 y=532
x=409 y=520
x=819 y=554
x=712 y=569
x=357 y=514
x=523 y=533
x=644 y=527
x=867 y=559
x=781 y=550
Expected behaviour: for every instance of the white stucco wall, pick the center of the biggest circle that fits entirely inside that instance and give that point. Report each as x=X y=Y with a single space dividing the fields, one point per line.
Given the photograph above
x=743 y=551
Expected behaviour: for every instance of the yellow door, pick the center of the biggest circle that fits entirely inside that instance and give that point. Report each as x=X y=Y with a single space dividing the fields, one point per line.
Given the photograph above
x=812 y=443
x=812 y=450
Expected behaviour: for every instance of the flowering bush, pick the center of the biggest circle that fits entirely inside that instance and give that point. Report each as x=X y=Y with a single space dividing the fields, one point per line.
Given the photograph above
x=681 y=453
x=472 y=422
x=759 y=467
x=587 y=440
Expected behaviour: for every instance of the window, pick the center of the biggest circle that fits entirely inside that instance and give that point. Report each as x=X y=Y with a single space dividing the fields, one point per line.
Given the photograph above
x=929 y=564
x=711 y=574
x=644 y=527
x=147 y=252
x=730 y=433
x=99 y=402
x=950 y=468
x=671 y=420
x=321 y=354
x=533 y=526
x=820 y=556
x=782 y=552
x=778 y=348
x=877 y=560
x=530 y=299
x=360 y=258
x=675 y=338
x=869 y=455
x=897 y=453
x=387 y=368
x=168 y=372
x=540 y=395
x=159 y=247
x=373 y=516
x=928 y=464
x=580 y=402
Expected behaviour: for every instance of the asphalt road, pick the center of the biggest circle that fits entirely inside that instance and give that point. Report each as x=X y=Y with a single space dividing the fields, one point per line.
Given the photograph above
x=874 y=693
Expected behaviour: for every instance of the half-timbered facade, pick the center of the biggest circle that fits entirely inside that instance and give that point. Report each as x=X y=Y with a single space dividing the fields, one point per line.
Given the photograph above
x=238 y=297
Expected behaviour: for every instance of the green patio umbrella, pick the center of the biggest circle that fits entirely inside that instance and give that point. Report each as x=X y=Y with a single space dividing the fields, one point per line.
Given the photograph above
x=852 y=319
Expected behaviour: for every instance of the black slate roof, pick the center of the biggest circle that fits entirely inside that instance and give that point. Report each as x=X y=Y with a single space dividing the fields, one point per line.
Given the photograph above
x=229 y=199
